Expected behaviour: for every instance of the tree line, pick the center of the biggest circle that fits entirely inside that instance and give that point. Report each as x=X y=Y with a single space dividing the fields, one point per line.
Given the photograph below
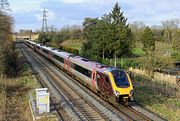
x=168 y=33
x=55 y=37
x=8 y=54
x=110 y=36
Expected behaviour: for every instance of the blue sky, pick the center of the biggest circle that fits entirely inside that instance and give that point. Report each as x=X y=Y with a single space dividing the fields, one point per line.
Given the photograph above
x=28 y=13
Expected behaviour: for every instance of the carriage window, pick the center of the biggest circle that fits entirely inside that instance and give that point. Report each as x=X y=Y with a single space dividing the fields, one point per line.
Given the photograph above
x=72 y=65
x=82 y=70
x=45 y=51
x=58 y=58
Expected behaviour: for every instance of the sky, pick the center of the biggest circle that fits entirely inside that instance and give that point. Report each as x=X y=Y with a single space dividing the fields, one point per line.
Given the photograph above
x=27 y=14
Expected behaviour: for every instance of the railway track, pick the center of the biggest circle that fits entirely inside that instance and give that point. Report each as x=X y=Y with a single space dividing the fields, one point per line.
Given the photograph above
x=91 y=113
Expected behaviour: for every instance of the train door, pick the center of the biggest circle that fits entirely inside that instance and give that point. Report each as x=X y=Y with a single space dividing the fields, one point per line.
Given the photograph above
x=49 y=55
x=100 y=80
x=107 y=85
x=93 y=78
x=68 y=65
x=65 y=63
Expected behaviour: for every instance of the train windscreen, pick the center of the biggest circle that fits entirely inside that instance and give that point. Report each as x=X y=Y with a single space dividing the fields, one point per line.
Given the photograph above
x=120 y=78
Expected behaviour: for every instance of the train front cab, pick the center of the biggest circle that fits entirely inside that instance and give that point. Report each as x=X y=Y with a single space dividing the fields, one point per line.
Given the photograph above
x=122 y=86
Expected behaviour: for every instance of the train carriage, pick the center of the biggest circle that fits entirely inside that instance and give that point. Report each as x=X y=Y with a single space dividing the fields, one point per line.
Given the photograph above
x=59 y=58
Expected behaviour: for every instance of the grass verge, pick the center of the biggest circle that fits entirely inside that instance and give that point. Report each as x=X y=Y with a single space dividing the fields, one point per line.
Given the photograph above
x=166 y=105
x=14 y=93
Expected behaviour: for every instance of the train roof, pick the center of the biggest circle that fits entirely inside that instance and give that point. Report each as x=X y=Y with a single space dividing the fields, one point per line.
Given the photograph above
x=61 y=53
x=89 y=63
x=30 y=41
x=78 y=59
x=45 y=47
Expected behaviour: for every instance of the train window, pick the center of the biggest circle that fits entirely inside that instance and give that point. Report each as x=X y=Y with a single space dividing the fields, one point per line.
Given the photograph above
x=72 y=65
x=59 y=58
x=45 y=51
x=86 y=60
x=89 y=74
x=82 y=70
x=120 y=78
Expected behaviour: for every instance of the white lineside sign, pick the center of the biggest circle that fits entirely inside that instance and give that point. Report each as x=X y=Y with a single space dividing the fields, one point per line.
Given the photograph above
x=42 y=100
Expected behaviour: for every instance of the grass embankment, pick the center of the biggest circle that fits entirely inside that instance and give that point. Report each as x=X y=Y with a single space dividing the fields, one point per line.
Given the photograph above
x=161 y=98
x=14 y=93
x=14 y=103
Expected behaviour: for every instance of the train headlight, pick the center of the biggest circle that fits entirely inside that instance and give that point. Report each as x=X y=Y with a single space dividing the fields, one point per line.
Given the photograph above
x=117 y=93
x=131 y=92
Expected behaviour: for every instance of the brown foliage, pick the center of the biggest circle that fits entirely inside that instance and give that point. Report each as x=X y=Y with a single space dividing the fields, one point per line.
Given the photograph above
x=13 y=104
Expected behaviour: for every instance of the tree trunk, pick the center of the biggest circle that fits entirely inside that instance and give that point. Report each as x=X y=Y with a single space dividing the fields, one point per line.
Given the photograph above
x=115 y=61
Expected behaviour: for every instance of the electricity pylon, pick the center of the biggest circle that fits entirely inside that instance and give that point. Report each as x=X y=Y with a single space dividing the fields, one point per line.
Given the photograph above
x=44 y=23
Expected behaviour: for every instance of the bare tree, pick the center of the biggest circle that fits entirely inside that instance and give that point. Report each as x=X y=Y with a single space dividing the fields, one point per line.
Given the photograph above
x=75 y=32
x=170 y=28
x=4 y=5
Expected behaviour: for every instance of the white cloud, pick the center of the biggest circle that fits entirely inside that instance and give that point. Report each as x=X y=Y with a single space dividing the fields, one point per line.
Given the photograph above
x=151 y=11
x=25 y=5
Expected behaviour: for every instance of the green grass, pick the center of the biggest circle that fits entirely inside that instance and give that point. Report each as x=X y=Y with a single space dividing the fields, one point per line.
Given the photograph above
x=167 y=107
x=175 y=55
x=75 y=44
x=138 y=51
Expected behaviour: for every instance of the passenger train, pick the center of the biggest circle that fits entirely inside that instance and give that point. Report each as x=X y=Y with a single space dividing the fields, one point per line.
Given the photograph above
x=112 y=84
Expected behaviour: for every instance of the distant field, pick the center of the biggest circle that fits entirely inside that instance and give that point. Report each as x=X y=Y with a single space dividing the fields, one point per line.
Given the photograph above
x=76 y=44
x=160 y=47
